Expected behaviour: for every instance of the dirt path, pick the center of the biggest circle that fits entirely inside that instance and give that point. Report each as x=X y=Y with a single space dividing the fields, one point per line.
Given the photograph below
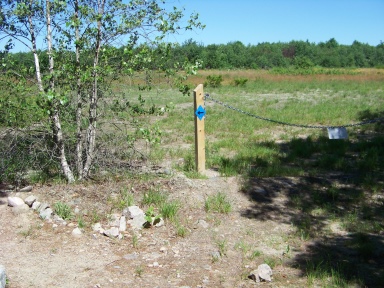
x=39 y=254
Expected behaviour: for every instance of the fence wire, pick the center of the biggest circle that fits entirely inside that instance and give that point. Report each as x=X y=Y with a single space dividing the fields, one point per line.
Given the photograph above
x=208 y=97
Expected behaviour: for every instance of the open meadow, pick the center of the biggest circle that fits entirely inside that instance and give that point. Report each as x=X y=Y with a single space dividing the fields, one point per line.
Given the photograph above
x=276 y=189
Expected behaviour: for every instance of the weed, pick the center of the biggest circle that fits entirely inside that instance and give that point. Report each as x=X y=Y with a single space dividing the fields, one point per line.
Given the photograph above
x=169 y=210
x=254 y=255
x=154 y=197
x=151 y=217
x=181 y=231
x=242 y=246
x=270 y=261
x=222 y=246
x=139 y=271
x=63 y=210
x=135 y=240
x=218 y=203
x=80 y=221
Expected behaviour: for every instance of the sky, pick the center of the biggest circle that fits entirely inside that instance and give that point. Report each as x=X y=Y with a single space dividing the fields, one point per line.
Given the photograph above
x=257 y=21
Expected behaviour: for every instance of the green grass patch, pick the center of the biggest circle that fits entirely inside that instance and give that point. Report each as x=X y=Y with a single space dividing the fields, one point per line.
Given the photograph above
x=218 y=203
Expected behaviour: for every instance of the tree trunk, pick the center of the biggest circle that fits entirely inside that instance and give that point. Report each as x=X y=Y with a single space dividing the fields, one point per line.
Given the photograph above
x=79 y=130
x=91 y=132
x=34 y=51
x=55 y=113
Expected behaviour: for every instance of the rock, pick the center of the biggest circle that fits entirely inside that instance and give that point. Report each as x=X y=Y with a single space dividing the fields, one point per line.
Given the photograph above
x=20 y=209
x=263 y=272
x=3 y=277
x=26 y=189
x=113 y=232
x=42 y=207
x=138 y=221
x=46 y=213
x=202 y=223
x=97 y=228
x=131 y=256
x=30 y=200
x=123 y=224
x=115 y=220
x=36 y=205
x=216 y=255
x=59 y=220
x=15 y=201
x=158 y=222
x=77 y=232
x=132 y=212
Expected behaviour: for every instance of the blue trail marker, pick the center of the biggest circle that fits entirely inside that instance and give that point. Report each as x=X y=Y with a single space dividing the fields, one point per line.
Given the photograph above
x=200 y=112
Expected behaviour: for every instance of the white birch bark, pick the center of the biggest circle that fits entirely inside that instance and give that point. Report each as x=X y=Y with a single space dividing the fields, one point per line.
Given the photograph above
x=91 y=131
x=55 y=117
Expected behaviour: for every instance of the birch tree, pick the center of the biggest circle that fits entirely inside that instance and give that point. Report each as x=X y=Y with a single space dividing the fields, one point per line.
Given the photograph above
x=80 y=38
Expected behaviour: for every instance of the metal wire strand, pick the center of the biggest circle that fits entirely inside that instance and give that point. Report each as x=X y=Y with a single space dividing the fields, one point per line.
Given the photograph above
x=207 y=96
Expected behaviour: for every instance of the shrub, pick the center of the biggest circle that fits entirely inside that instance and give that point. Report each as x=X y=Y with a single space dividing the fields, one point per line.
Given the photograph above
x=240 y=82
x=213 y=81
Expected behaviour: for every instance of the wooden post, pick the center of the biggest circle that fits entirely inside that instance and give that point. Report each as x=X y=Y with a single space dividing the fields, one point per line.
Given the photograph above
x=199 y=110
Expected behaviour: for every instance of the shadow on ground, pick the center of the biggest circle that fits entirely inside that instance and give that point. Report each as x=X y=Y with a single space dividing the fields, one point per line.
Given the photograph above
x=332 y=192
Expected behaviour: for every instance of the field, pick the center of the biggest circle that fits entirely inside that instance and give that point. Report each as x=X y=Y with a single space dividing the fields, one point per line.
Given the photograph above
x=310 y=207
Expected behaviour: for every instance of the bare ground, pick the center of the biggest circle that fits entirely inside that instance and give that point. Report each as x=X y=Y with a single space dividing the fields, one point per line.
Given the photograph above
x=258 y=230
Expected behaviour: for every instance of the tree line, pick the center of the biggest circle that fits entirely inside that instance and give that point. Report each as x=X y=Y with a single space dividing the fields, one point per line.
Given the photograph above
x=329 y=54
x=236 y=55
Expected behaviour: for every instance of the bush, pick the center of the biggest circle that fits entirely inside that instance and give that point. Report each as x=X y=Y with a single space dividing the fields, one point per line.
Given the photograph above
x=213 y=81
x=240 y=82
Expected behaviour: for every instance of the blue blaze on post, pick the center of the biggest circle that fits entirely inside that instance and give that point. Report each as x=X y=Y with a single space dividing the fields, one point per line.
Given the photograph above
x=200 y=112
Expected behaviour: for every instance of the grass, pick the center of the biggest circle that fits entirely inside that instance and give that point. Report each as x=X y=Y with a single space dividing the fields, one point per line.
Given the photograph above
x=63 y=210
x=218 y=203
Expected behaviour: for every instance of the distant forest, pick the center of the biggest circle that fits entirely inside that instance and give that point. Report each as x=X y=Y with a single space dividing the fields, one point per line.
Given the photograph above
x=301 y=54
x=236 y=55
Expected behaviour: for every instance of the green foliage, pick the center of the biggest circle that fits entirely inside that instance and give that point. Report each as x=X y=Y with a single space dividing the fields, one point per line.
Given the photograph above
x=218 y=203
x=213 y=81
x=240 y=82
x=169 y=210
x=155 y=197
x=63 y=210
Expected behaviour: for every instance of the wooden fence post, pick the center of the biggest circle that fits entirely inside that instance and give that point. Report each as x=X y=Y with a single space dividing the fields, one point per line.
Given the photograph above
x=199 y=111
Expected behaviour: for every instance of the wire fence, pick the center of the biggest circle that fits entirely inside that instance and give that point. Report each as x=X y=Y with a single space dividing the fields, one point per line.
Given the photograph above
x=371 y=121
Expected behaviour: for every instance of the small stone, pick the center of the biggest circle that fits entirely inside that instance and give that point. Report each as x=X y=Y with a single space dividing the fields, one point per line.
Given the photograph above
x=132 y=211
x=30 y=200
x=97 y=228
x=123 y=224
x=36 y=205
x=77 y=232
x=163 y=249
x=43 y=206
x=138 y=221
x=202 y=223
x=46 y=214
x=15 y=201
x=3 y=276
x=115 y=220
x=131 y=256
x=26 y=189
x=159 y=222
x=113 y=232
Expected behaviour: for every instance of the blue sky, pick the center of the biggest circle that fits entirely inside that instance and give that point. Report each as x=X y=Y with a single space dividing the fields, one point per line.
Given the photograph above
x=257 y=21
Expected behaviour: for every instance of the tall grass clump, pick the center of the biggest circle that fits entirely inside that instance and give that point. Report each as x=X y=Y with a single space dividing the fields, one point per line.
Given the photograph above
x=218 y=203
